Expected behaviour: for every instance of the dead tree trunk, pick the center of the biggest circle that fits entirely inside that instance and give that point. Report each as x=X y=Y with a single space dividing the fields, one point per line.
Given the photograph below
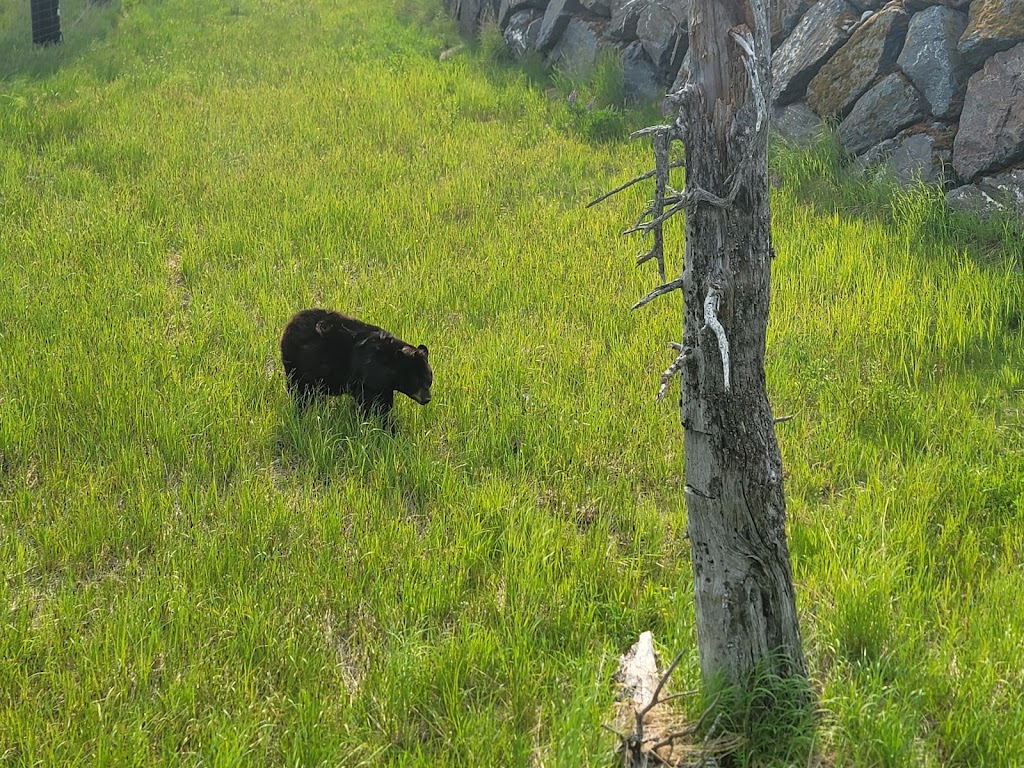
x=743 y=581
x=746 y=609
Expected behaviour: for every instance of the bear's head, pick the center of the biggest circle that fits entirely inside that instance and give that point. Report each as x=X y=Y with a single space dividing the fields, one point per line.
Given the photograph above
x=415 y=376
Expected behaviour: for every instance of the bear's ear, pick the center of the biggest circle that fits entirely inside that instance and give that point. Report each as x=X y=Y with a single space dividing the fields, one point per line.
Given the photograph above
x=423 y=349
x=322 y=328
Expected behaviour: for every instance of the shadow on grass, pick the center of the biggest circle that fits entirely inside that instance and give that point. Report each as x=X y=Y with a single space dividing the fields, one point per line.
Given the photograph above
x=83 y=22
x=777 y=717
x=330 y=439
x=319 y=437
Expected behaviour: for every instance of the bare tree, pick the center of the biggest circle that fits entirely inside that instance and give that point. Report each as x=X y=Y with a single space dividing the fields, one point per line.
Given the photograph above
x=743 y=582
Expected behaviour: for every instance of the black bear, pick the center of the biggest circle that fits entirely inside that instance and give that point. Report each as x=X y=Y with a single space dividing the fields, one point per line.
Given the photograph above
x=328 y=353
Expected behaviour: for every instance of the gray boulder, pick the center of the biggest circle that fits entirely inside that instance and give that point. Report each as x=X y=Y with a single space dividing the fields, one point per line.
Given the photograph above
x=643 y=80
x=994 y=26
x=991 y=195
x=625 y=15
x=931 y=60
x=871 y=51
x=556 y=19
x=521 y=32
x=510 y=7
x=796 y=123
x=916 y=155
x=913 y=6
x=868 y=5
x=472 y=13
x=825 y=27
x=882 y=112
x=783 y=15
x=577 y=48
x=662 y=28
x=991 y=131
x=601 y=8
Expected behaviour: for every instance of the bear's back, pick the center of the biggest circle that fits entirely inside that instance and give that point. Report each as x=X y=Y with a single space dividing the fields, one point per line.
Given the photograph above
x=316 y=349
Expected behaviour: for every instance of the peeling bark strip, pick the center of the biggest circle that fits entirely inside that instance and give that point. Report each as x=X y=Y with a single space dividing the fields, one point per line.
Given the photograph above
x=743 y=581
x=711 y=303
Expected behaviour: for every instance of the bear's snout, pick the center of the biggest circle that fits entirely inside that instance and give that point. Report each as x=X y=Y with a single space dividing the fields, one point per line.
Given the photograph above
x=422 y=396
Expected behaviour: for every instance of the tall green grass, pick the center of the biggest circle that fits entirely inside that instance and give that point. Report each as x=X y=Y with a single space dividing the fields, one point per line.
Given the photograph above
x=907 y=360
x=194 y=573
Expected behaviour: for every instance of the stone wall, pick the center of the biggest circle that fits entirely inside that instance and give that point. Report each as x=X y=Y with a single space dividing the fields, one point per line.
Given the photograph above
x=930 y=89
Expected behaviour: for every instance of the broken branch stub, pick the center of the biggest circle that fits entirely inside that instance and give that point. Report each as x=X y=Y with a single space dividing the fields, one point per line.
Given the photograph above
x=631 y=182
x=638 y=674
x=661 y=290
x=659 y=143
x=653 y=734
x=685 y=353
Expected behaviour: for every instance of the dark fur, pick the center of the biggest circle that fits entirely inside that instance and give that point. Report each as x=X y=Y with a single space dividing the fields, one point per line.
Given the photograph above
x=327 y=353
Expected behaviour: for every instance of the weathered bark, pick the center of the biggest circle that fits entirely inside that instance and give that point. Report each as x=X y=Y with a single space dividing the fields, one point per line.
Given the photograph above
x=746 y=610
x=743 y=581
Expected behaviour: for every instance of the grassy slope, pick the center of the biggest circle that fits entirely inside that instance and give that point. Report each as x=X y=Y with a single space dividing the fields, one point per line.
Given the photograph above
x=192 y=573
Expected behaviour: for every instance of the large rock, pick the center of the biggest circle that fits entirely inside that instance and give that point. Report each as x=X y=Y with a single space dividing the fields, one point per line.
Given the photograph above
x=914 y=159
x=991 y=131
x=931 y=60
x=510 y=7
x=881 y=113
x=825 y=27
x=625 y=15
x=601 y=8
x=556 y=19
x=642 y=79
x=994 y=26
x=913 y=6
x=472 y=13
x=577 y=48
x=796 y=123
x=662 y=28
x=870 y=52
x=488 y=12
x=991 y=195
x=918 y=154
x=454 y=8
x=783 y=16
x=521 y=32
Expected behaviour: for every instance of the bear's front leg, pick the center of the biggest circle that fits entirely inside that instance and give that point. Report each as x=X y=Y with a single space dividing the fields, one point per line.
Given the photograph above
x=302 y=392
x=377 y=404
x=382 y=402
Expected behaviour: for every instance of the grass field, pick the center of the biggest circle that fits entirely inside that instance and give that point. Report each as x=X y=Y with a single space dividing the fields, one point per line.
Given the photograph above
x=193 y=574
